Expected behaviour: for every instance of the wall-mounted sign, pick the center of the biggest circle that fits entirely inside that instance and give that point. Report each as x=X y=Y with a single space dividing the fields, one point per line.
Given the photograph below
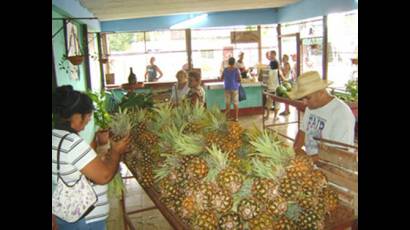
x=244 y=36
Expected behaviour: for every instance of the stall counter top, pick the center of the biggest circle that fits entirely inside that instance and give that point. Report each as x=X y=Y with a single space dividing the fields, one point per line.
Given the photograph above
x=220 y=85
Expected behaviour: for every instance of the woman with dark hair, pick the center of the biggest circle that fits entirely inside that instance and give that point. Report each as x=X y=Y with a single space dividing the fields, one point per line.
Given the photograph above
x=72 y=111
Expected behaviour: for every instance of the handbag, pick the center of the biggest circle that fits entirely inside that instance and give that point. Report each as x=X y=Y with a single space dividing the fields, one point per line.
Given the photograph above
x=242 y=94
x=72 y=202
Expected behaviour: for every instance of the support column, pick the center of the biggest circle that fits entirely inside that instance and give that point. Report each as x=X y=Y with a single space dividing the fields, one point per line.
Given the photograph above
x=259 y=45
x=189 y=47
x=298 y=45
x=86 y=56
x=324 y=50
x=101 y=64
x=278 y=28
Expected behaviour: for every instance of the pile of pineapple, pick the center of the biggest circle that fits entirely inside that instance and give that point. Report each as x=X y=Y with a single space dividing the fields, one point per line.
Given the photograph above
x=215 y=175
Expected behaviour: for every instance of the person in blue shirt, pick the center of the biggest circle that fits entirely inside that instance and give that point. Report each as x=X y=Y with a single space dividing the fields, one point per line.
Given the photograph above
x=232 y=79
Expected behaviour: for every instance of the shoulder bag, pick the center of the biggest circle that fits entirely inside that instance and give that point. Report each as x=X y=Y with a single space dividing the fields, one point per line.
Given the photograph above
x=72 y=202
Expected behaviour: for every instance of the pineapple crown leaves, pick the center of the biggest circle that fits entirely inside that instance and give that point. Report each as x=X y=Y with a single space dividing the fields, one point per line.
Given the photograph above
x=121 y=123
x=218 y=159
x=215 y=119
x=293 y=211
x=138 y=115
x=171 y=162
x=186 y=144
x=244 y=192
x=253 y=133
x=267 y=147
x=267 y=170
x=163 y=114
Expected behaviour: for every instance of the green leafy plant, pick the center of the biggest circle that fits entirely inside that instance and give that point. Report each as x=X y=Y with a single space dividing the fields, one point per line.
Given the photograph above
x=101 y=116
x=134 y=100
x=351 y=94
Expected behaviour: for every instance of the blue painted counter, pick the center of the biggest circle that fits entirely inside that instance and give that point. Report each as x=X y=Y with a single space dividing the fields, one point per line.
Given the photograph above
x=214 y=95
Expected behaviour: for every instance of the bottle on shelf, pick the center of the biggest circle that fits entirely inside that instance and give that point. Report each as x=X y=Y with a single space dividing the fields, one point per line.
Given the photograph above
x=132 y=78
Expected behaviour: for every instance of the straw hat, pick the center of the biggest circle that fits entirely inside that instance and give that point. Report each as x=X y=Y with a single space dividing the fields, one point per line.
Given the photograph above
x=307 y=83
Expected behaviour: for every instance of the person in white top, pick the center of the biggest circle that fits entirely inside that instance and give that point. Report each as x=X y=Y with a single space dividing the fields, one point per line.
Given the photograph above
x=180 y=89
x=72 y=111
x=285 y=77
x=325 y=116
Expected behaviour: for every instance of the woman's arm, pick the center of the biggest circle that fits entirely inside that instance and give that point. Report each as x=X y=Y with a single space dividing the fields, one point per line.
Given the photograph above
x=102 y=171
x=159 y=71
x=238 y=76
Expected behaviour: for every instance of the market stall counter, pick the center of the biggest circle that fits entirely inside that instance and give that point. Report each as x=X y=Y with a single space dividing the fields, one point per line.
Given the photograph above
x=214 y=95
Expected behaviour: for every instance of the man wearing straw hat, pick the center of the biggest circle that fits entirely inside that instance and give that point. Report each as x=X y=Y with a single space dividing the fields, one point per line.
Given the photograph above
x=325 y=116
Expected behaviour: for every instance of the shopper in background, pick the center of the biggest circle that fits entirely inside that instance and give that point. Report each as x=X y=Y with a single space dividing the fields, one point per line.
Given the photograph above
x=232 y=78
x=294 y=67
x=152 y=71
x=196 y=93
x=274 y=64
x=72 y=111
x=180 y=89
x=285 y=77
x=240 y=65
x=325 y=117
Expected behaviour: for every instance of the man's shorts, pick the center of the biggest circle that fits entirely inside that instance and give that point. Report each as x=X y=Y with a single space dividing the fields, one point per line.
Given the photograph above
x=231 y=96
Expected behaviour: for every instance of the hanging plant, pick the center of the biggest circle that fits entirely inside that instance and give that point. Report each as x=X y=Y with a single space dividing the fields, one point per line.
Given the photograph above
x=65 y=66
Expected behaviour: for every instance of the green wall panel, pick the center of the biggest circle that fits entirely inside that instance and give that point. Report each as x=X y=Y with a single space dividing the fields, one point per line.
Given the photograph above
x=62 y=77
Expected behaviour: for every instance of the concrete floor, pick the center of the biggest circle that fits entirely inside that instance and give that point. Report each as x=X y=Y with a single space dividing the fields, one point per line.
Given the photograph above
x=136 y=198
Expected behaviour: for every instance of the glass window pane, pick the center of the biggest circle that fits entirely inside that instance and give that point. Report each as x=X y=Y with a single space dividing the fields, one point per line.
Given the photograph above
x=342 y=47
x=125 y=43
x=166 y=40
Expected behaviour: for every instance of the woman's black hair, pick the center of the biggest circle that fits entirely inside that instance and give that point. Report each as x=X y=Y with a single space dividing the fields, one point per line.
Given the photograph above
x=66 y=102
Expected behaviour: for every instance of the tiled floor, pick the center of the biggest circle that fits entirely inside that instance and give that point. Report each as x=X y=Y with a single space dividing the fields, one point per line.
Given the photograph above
x=136 y=198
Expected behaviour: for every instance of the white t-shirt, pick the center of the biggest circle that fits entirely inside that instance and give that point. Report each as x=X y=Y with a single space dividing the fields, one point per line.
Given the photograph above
x=334 y=121
x=180 y=93
x=75 y=154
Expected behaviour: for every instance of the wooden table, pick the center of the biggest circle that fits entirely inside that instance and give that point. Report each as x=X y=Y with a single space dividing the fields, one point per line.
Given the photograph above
x=300 y=107
x=171 y=217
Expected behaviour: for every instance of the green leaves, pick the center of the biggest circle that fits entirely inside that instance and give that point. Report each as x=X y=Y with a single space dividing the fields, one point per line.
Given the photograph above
x=134 y=100
x=101 y=116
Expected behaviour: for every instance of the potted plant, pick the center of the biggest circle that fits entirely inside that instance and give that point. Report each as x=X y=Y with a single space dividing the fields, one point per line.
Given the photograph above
x=101 y=116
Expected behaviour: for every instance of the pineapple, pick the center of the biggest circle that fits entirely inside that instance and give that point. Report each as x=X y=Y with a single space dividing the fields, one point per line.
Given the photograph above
x=230 y=179
x=299 y=167
x=308 y=202
x=265 y=190
x=289 y=188
x=195 y=117
x=230 y=221
x=187 y=208
x=168 y=189
x=222 y=201
x=197 y=168
x=277 y=207
x=206 y=220
x=227 y=177
x=330 y=199
x=309 y=220
x=120 y=125
x=265 y=187
x=319 y=179
x=204 y=194
x=261 y=222
x=248 y=209
x=285 y=223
